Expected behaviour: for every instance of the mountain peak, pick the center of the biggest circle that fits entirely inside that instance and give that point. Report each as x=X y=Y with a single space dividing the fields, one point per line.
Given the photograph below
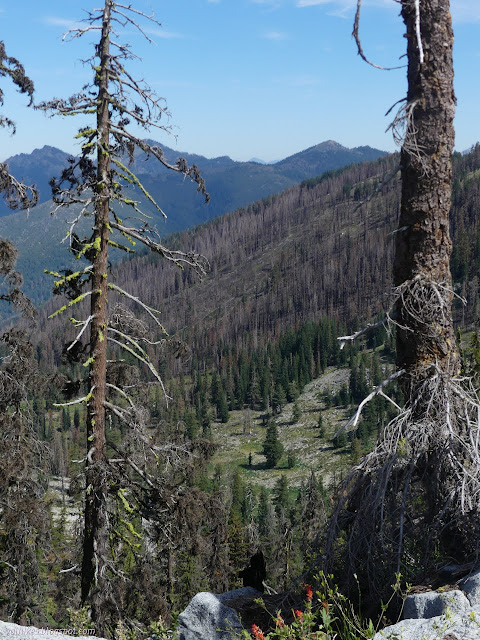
x=329 y=145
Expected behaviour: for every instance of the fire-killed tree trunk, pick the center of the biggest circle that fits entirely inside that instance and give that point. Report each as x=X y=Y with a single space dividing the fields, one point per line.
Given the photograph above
x=425 y=335
x=96 y=184
x=95 y=544
x=416 y=497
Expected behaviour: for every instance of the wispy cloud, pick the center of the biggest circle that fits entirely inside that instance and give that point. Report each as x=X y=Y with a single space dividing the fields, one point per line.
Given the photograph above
x=275 y=36
x=163 y=33
x=269 y=5
x=341 y=7
x=311 y=3
x=462 y=10
x=64 y=23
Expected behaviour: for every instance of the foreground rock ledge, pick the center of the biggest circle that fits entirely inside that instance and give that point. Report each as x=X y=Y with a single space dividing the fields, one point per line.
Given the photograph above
x=433 y=615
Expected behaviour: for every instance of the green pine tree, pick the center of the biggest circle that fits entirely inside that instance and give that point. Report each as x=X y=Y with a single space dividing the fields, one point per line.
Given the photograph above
x=296 y=412
x=272 y=447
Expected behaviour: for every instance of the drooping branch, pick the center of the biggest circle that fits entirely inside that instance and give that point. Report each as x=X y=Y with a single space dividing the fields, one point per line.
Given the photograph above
x=17 y=195
x=356 y=35
x=13 y=69
x=196 y=261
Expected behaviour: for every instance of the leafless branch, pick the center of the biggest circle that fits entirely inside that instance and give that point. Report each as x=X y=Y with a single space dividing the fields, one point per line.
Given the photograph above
x=370 y=327
x=136 y=350
x=85 y=324
x=150 y=310
x=196 y=261
x=377 y=391
x=355 y=34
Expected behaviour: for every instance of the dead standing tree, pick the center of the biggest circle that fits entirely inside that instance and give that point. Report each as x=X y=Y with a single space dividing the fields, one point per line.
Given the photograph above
x=414 y=500
x=24 y=461
x=95 y=184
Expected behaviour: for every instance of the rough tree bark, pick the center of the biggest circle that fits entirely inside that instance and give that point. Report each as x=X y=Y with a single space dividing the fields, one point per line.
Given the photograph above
x=95 y=184
x=423 y=244
x=95 y=544
x=415 y=499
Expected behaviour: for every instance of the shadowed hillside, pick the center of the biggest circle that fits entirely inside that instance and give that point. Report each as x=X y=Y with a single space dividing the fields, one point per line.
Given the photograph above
x=308 y=252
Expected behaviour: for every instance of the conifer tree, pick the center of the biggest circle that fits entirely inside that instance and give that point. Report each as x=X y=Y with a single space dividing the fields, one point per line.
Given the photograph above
x=321 y=426
x=279 y=399
x=296 y=412
x=95 y=184
x=282 y=496
x=272 y=447
x=265 y=515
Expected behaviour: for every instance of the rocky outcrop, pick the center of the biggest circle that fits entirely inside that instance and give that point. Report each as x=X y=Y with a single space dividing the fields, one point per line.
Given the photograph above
x=208 y=616
x=433 y=615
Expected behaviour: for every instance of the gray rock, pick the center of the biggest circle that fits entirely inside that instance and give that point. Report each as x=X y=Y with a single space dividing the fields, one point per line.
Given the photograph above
x=451 y=627
x=471 y=587
x=238 y=593
x=432 y=604
x=208 y=616
x=16 y=632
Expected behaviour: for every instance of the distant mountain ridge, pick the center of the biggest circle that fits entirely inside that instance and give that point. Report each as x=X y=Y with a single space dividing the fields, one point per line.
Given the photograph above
x=245 y=181
x=231 y=185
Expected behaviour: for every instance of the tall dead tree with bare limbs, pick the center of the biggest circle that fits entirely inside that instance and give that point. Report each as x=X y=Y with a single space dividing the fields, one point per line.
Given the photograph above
x=414 y=501
x=24 y=460
x=95 y=184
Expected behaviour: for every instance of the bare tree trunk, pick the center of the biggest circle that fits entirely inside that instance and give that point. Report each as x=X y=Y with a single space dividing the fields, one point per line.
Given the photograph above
x=95 y=546
x=417 y=494
x=423 y=246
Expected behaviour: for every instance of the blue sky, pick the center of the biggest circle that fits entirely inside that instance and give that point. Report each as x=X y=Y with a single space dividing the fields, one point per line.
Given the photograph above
x=244 y=78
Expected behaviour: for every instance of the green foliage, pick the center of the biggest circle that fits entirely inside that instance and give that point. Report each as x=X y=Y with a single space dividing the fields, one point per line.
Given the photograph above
x=341 y=440
x=80 y=618
x=191 y=424
x=282 y=498
x=296 y=412
x=356 y=450
x=238 y=507
x=272 y=447
x=279 y=399
x=325 y=615
x=321 y=426
x=327 y=399
x=291 y=459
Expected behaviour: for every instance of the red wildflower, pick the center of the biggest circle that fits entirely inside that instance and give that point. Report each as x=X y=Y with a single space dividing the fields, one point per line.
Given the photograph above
x=308 y=592
x=279 y=621
x=325 y=606
x=257 y=632
x=298 y=614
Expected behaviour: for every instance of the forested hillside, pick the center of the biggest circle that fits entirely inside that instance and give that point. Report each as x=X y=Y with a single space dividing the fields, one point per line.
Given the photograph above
x=288 y=275
x=201 y=411
x=313 y=250
x=231 y=184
